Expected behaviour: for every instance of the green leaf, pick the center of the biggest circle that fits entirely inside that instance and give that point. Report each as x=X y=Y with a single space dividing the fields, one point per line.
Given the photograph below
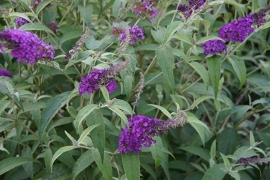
x=171 y=29
x=117 y=6
x=59 y=172
x=226 y=161
x=82 y=162
x=235 y=175
x=266 y=25
x=208 y=38
x=146 y=47
x=203 y=153
x=47 y=159
x=251 y=138
x=3 y=105
x=120 y=114
x=244 y=152
x=159 y=34
x=28 y=167
x=106 y=167
x=199 y=126
x=86 y=132
x=227 y=141
x=98 y=134
x=92 y=44
x=86 y=13
x=59 y=152
x=162 y=109
x=199 y=100
x=105 y=93
x=157 y=151
x=214 y=68
x=36 y=27
x=22 y=15
x=54 y=105
x=83 y=113
x=166 y=62
x=128 y=84
x=12 y=162
x=239 y=68
x=131 y=163
x=42 y=5
x=70 y=35
x=182 y=38
x=213 y=150
x=215 y=173
x=200 y=69
x=123 y=105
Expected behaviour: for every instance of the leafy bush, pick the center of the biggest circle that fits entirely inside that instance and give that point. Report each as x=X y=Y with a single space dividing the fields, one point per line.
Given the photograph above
x=138 y=89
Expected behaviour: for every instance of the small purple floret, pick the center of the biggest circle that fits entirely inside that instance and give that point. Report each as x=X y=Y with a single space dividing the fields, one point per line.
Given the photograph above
x=214 y=47
x=21 y=21
x=136 y=34
x=4 y=72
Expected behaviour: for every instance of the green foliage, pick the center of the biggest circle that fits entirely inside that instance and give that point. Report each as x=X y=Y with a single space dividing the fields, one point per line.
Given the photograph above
x=50 y=130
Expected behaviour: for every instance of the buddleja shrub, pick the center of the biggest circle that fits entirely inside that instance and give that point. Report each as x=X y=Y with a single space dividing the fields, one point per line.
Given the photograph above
x=134 y=89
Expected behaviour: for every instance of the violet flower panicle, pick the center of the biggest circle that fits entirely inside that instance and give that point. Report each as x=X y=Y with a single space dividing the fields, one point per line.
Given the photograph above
x=4 y=72
x=214 y=47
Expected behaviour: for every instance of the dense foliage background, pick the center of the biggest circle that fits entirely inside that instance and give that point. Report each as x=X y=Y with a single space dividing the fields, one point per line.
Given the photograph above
x=134 y=89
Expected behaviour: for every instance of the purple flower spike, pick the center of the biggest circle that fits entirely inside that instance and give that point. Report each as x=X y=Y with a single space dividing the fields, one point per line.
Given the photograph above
x=136 y=34
x=4 y=72
x=238 y=30
x=20 y=21
x=214 y=47
x=101 y=77
x=25 y=46
x=145 y=9
x=141 y=130
x=196 y=4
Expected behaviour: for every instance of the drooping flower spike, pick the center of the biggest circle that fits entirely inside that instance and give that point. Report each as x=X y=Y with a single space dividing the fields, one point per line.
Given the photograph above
x=4 y=72
x=25 y=46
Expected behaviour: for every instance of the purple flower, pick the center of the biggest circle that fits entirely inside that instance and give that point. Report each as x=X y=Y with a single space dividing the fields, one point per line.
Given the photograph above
x=25 y=46
x=259 y=17
x=20 y=21
x=4 y=72
x=141 y=130
x=101 y=77
x=186 y=10
x=214 y=47
x=135 y=33
x=53 y=26
x=145 y=9
x=238 y=30
x=255 y=160
x=196 y=4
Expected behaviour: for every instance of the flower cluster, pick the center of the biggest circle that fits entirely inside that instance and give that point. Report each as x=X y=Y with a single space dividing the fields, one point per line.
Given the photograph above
x=145 y=9
x=214 y=47
x=25 y=46
x=238 y=30
x=4 y=72
x=101 y=77
x=135 y=33
x=53 y=26
x=255 y=160
x=193 y=5
x=35 y=4
x=141 y=130
x=21 y=21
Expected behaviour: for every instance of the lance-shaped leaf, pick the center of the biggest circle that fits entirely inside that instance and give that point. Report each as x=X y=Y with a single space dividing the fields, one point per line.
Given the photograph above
x=131 y=163
x=214 y=66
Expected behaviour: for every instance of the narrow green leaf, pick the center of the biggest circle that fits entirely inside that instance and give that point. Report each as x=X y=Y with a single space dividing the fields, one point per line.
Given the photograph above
x=199 y=126
x=157 y=151
x=171 y=29
x=200 y=69
x=28 y=167
x=226 y=161
x=214 y=68
x=70 y=35
x=131 y=163
x=266 y=25
x=251 y=138
x=83 y=113
x=22 y=15
x=86 y=132
x=162 y=109
x=199 y=100
x=203 y=153
x=213 y=150
x=10 y=163
x=82 y=162
x=239 y=68
x=236 y=175
x=54 y=105
x=47 y=159
x=92 y=44
x=42 y=5
x=208 y=38
x=36 y=27
x=86 y=13
x=215 y=173
x=98 y=133
x=120 y=114
x=166 y=62
x=3 y=105
x=182 y=38
x=123 y=105
x=128 y=84
x=59 y=152
x=106 y=167
x=105 y=93
x=159 y=34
